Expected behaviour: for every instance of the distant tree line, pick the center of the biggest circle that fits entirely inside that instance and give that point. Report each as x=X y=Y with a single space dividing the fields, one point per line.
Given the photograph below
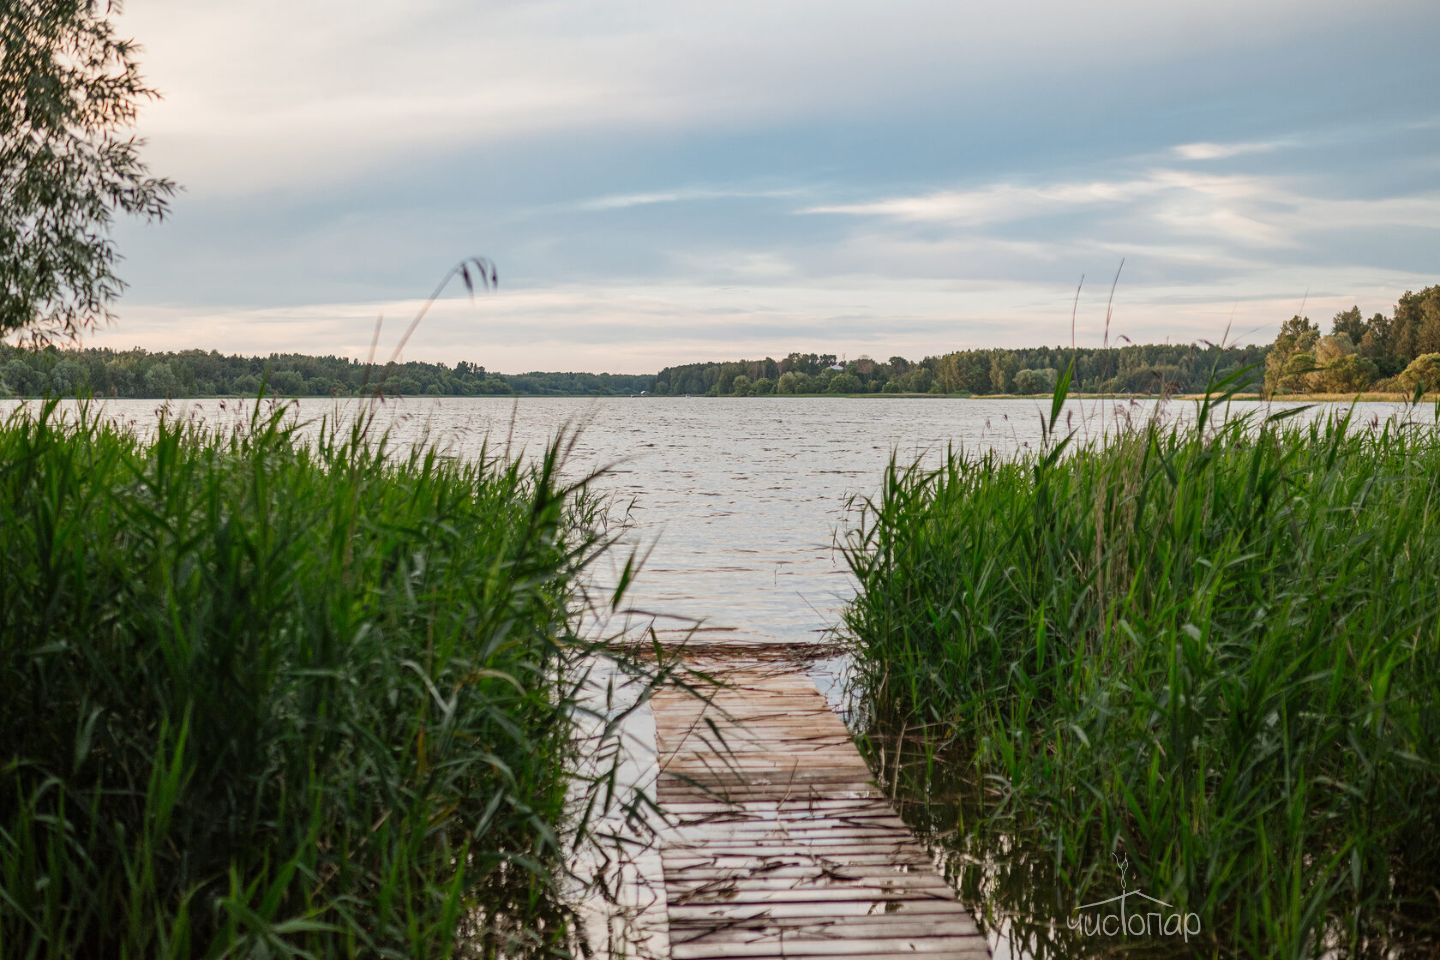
x=198 y=373
x=1145 y=369
x=102 y=372
x=1395 y=353
x=1400 y=352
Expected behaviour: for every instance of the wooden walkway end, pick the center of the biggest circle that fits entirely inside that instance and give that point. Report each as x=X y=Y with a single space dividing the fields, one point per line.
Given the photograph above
x=781 y=844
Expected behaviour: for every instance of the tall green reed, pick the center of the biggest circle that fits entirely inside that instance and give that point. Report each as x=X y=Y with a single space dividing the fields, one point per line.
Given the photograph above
x=1212 y=647
x=274 y=697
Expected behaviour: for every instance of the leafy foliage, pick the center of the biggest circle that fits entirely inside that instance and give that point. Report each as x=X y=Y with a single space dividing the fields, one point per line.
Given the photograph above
x=277 y=698
x=1422 y=374
x=69 y=89
x=1212 y=649
x=1036 y=381
x=1358 y=354
x=200 y=373
x=1151 y=368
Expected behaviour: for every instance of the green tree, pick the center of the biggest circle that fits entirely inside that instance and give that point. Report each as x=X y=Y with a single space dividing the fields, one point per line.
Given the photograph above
x=846 y=383
x=289 y=383
x=741 y=386
x=947 y=373
x=1330 y=375
x=1416 y=328
x=160 y=381
x=1283 y=372
x=67 y=377
x=1418 y=316
x=1294 y=377
x=975 y=372
x=1003 y=365
x=1377 y=344
x=1423 y=371
x=1036 y=381
x=1350 y=323
x=918 y=380
x=19 y=380
x=69 y=89
x=1349 y=374
x=964 y=372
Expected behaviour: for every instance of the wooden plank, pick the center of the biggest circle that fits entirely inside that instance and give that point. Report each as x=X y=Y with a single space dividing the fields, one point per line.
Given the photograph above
x=837 y=946
x=690 y=931
x=835 y=853
x=923 y=910
x=719 y=812
x=814 y=896
x=794 y=875
x=877 y=826
x=811 y=876
x=746 y=861
x=798 y=809
x=730 y=891
x=780 y=844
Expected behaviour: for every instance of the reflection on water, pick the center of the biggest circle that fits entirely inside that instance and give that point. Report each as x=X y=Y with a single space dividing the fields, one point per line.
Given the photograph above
x=1007 y=873
x=1009 y=878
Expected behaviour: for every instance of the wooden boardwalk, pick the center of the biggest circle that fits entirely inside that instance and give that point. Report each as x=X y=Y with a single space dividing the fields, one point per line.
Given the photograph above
x=781 y=844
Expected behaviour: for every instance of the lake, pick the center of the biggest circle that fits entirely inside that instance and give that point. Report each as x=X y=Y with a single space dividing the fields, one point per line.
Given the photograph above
x=737 y=501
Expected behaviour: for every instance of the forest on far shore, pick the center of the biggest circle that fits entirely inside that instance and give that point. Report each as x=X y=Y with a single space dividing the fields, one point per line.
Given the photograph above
x=1394 y=353
x=200 y=373
x=1384 y=354
x=1138 y=369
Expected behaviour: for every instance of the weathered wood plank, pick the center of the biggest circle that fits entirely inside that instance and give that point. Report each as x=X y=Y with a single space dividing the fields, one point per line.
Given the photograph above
x=839 y=946
x=806 y=928
x=857 y=910
x=780 y=843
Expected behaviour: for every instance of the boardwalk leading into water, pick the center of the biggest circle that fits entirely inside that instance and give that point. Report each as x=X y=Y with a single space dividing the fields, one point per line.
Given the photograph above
x=782 y=845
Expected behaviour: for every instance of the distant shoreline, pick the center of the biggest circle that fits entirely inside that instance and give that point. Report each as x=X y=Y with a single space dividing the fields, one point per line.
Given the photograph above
x=1366 y=397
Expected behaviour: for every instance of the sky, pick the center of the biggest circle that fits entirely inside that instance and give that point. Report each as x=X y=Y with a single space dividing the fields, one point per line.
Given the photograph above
x=680 y=181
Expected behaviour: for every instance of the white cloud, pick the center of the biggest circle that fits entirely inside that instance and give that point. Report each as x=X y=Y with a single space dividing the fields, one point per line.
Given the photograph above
x=1224 y=151
x=1243 y=210
x=623 y=201
x=1008 y=202
x=276 y=93
x=998 y=203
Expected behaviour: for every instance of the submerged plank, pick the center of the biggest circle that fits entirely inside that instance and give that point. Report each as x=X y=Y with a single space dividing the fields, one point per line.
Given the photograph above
x=780 y=844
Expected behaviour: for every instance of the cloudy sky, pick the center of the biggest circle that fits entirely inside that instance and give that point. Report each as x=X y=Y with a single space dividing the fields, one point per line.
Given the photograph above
x=675 y=181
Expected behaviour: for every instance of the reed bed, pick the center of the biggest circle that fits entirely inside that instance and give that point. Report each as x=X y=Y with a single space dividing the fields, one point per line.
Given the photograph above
x=1209 y=650
x=267 y=697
